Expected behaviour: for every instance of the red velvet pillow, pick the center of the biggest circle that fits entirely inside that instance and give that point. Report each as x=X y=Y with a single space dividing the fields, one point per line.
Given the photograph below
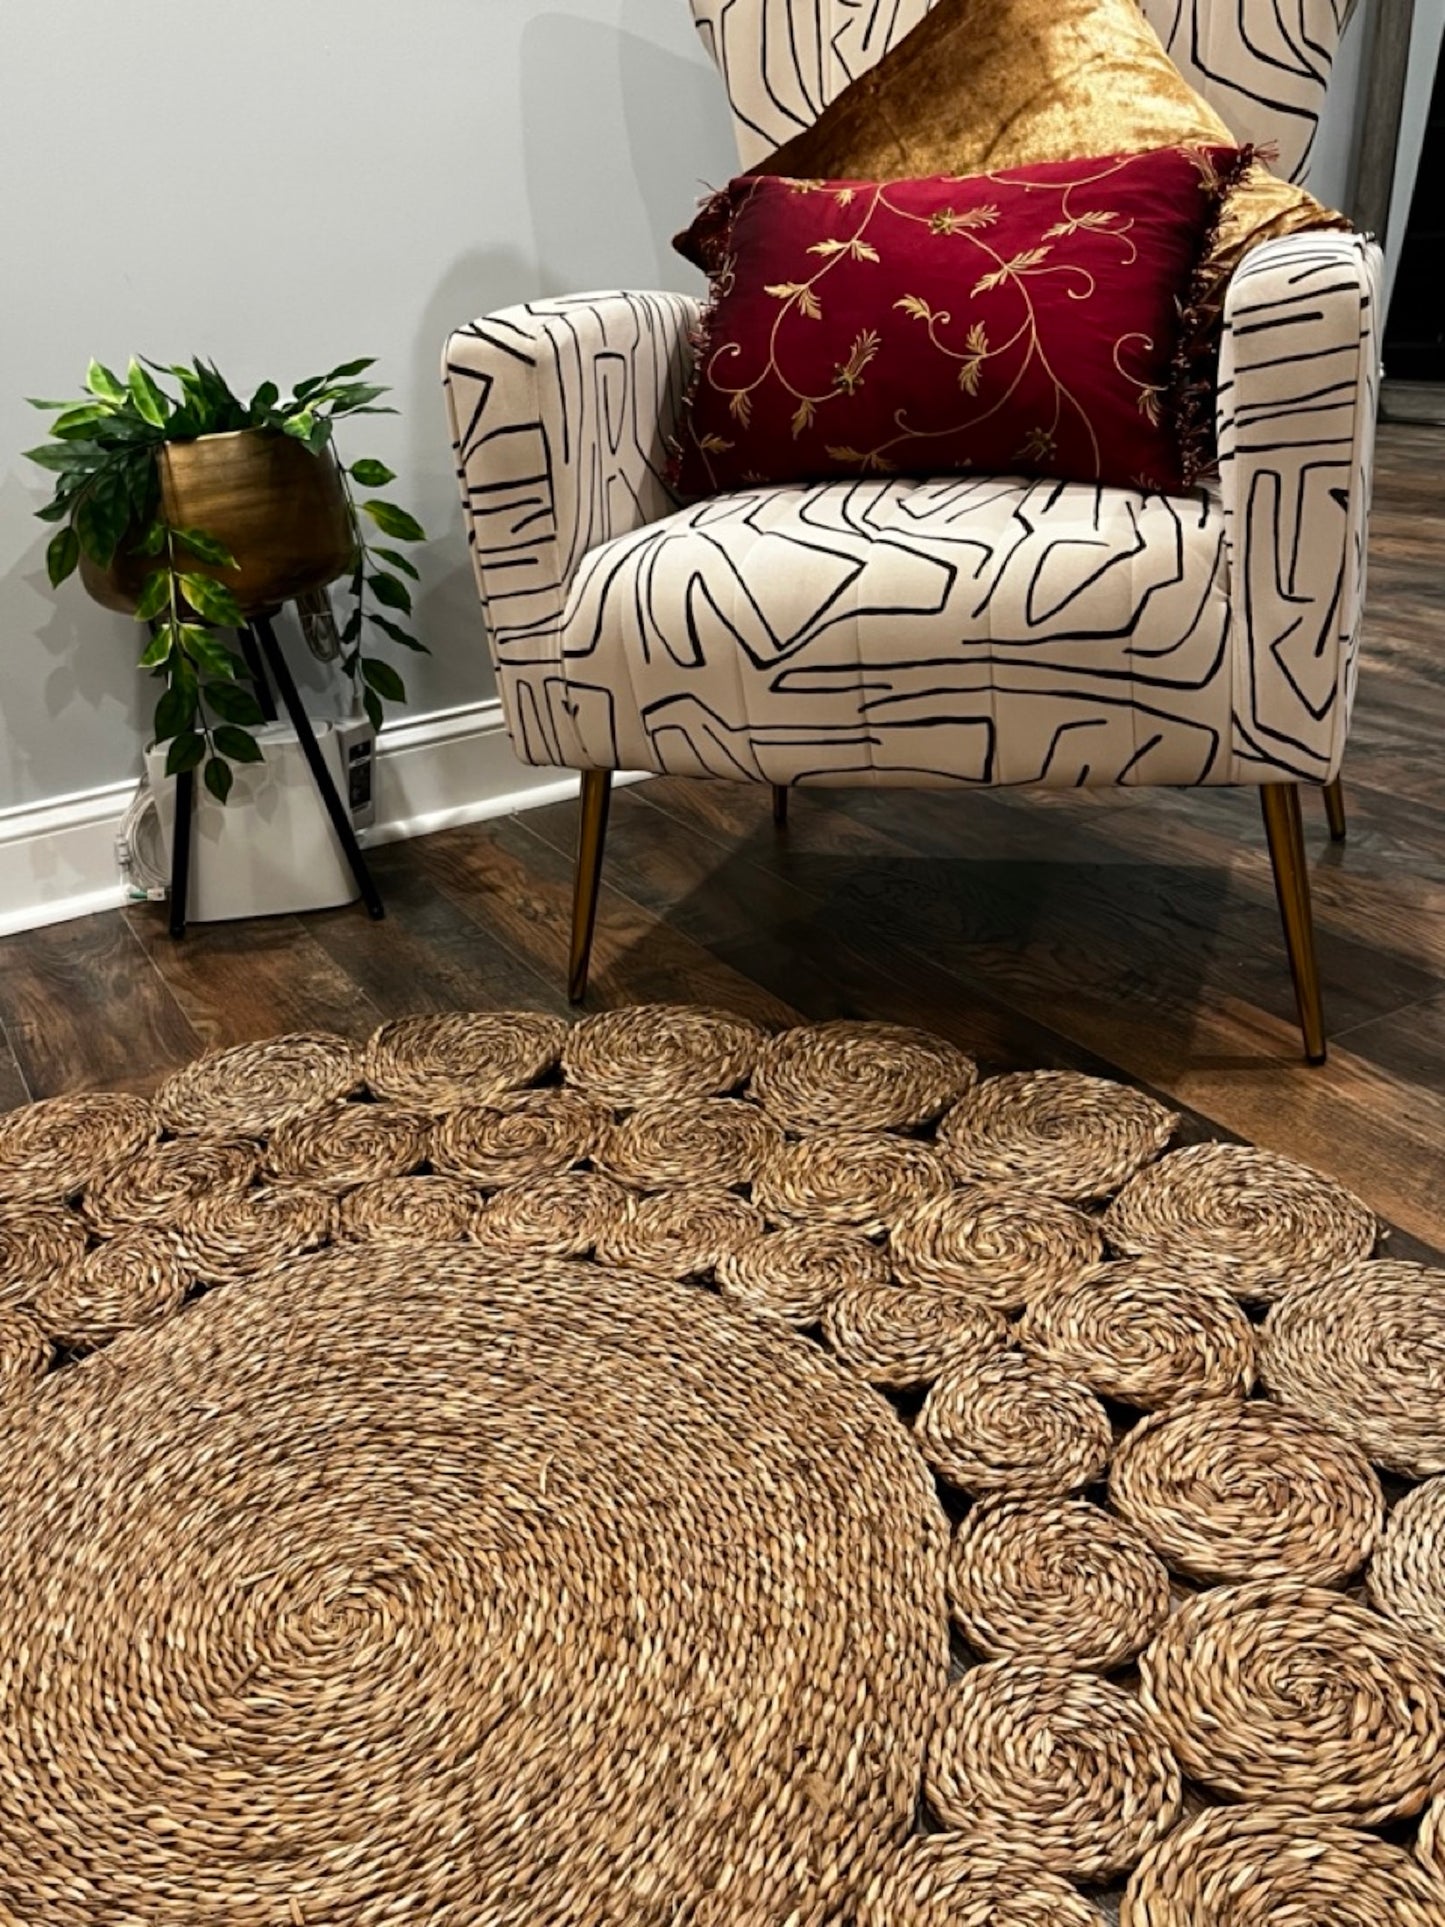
x=1030 y=321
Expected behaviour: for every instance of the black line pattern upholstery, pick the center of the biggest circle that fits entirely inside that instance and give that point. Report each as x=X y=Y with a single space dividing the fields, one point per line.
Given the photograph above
x=956 y=631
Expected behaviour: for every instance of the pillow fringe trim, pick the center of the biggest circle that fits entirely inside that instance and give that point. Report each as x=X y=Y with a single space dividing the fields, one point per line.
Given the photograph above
x=1193 y=369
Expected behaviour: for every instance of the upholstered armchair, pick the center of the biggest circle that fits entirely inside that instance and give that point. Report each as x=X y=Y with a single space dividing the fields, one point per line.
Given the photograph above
x=954 y=632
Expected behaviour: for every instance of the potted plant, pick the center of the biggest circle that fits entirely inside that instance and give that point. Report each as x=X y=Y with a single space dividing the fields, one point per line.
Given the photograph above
x=195 y=511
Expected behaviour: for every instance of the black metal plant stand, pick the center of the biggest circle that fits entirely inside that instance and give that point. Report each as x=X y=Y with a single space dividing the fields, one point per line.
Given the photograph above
x=267 y=667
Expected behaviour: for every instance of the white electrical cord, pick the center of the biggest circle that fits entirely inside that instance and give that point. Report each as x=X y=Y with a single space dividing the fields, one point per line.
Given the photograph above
x=139 y=850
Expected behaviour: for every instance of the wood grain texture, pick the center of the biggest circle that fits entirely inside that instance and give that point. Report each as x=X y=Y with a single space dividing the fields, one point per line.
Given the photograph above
x=1127 y=932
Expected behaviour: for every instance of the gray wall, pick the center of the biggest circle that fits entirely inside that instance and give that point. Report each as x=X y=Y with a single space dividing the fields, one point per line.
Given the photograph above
x=284 y=186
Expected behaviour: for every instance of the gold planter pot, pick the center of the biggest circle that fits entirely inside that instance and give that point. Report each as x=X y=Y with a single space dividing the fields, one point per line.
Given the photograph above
x=280 y=511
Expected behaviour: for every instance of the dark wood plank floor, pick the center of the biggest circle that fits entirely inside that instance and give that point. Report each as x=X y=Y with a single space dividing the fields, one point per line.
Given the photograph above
x=1128 y=931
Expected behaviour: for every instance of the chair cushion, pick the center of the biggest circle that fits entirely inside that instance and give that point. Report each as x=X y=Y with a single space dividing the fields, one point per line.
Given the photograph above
x=1032 y=320
x=926 y=633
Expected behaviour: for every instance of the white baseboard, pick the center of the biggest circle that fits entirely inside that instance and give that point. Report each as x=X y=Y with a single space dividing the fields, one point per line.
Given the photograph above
x=58 y=859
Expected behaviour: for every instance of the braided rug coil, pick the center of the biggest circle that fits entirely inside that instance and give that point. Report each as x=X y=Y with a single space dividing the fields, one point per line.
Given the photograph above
x=1064 y=1759
x=1407 y=1574
x=797 y=1272
x=1011 y=1424
x=587 y=1549
x=1055 y=1579
x=1277 y=1691
x=993 y=1243
x=1361 y=1352
x=1143 y=1333
x=1225 y=1490
x=250 y=1089
x=480 y=1494
x=1058 y=1132
x=972 y=1880
x=1264 y=1222
x=873 y=1077
x=1256 y=1865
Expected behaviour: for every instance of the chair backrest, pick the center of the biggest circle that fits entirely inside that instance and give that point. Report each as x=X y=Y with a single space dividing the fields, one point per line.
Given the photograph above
x=1263 y=65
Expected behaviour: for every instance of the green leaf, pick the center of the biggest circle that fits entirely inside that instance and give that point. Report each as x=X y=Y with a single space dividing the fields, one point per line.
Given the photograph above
x=219 y=778
x=185 y=752
x=62 y=555
x=299 y=427
x=353 y=627
x=398 y=634
x=395 y=522
x=48 y=406
x=85 y=416
x=65 y=455
x=155 y=596
x=348 y=399
x=309 y=387
x=101 y=516
x=381 y=677
x=265 y=398
x=100 y=381
x=233 y=703
x=238 y=744
x=151 y=404
x=206 y=547
x=213 y=601
x=348 y=369
x=158 y=649
x=206 y=649
x=371 y=474
x=371 y=703
x=152 y=542
x=390 y=591
x=174 y=712
x=399 y=561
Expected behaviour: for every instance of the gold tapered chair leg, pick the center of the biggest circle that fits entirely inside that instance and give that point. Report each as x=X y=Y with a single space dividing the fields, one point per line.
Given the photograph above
x=1335 y=809
x=780 y=806
x=591 y=841
x=1284 y=825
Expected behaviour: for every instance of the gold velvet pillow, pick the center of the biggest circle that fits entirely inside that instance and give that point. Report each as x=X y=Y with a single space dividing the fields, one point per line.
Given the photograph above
x=987 y=84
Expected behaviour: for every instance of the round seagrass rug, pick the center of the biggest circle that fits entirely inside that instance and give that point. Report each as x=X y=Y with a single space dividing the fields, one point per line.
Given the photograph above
x=652 y=1472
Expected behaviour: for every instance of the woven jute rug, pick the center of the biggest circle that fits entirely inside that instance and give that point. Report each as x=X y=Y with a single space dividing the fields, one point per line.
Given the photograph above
x=650 y=1472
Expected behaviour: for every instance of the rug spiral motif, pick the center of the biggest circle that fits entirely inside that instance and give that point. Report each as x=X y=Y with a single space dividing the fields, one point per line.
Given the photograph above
x=1060 y=1759
x=250 y=1089
x=1249 y=1866
x=587 y=1548
x=965 y=1880
x=863 y=1180
x=869 y=1076
x=167 y=1182
x=1362 y=1352
x=1430 y=1843
x=51 y=1150
x=667 y=1146
x=993 y=1243
x=461 y=1057
x=669 y=1051
x=899 y=1337
x=796 y=1272
x=1012 y=1424
x=344 y=1144
x=1226 y=1490
x=1072 y=1136
x=131 y=1280
x=1283 y=1692
x=534 y=1134
x=425 y=1209
x=679 y=1234
x=34 y=1242
x=1143 y=1333
x=559 y=1217
x=24 y=1355
x=1259 y=1220
x=1407 y=1574
x=1057 y=1580
x=229 y=1235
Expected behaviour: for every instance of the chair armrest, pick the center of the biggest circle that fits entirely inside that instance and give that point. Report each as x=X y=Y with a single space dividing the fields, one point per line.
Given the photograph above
x=561 y=413
x=1298 y=390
